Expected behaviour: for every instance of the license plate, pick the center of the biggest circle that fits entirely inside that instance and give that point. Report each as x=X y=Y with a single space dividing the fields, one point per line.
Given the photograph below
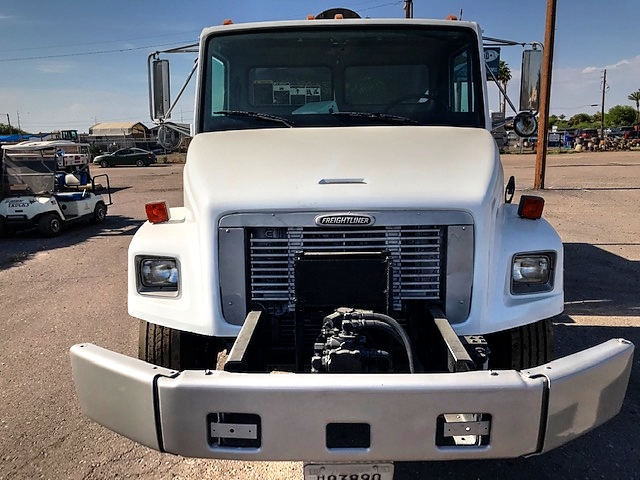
x=349 y=471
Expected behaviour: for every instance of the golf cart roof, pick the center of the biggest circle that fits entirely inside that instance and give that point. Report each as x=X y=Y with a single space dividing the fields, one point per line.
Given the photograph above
x=44 y=145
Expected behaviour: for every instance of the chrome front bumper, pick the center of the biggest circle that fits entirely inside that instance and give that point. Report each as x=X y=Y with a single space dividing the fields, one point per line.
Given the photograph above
x=530 y=412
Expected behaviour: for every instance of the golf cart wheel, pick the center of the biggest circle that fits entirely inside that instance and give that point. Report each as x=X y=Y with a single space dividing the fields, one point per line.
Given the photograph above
x=139 y=163
x=521 y=347
x=50 y=225
x=171 y=348
x=104 y=164
x=99 y=213
x=5 y=230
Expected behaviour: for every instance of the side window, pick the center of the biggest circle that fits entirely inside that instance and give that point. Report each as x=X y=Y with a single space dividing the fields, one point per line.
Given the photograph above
x=218 y=85
x=462 y=78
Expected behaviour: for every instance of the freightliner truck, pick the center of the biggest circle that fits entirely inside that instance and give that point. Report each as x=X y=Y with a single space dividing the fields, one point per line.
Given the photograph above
x=349 y=282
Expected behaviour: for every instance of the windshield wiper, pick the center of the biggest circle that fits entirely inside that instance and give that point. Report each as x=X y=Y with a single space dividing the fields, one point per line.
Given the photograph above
x=383 y=117
x=256 y=115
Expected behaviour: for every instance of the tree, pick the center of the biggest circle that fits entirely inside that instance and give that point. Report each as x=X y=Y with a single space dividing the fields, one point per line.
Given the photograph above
x=635 y=97
x=504 y=75
x=580 y=119
x=621 y=115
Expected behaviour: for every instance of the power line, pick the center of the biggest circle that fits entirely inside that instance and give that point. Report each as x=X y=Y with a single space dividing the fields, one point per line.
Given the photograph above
x=42 y=47
x=99 y=52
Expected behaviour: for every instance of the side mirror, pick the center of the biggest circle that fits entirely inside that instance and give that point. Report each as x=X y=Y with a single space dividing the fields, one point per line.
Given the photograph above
x=530 y=80
x=525 y=124
x=160 y=100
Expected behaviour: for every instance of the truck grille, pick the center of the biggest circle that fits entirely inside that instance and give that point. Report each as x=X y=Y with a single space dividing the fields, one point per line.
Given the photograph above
x=416 y=254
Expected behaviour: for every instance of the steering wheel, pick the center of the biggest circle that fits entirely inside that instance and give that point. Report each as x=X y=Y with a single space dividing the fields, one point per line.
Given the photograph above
x=432 y=100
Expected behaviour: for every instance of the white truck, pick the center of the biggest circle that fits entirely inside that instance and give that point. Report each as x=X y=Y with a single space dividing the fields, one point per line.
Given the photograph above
x=348 y=282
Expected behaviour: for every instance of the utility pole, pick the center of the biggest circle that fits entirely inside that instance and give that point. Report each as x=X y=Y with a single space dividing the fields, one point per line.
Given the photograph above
x=604 y=90
x=408 y=8
x=547 y=64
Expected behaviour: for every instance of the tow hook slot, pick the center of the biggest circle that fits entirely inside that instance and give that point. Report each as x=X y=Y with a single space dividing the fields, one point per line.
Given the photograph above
x=463 y=430
x=240 y=430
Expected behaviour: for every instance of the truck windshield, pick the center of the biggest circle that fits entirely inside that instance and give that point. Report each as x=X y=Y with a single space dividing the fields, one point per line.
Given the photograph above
x=336 y=76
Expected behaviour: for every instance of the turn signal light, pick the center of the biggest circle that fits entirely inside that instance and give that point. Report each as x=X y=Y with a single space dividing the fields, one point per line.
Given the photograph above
x=531 y=207
x=157 y=212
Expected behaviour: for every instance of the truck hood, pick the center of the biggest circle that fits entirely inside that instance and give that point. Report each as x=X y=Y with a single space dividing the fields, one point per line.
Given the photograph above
x=408 y=167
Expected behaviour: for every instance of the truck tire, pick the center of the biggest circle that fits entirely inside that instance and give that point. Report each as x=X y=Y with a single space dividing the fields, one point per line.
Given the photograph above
x=49 y=225
x=521 y=347
x=175 y=349
x=99 y=213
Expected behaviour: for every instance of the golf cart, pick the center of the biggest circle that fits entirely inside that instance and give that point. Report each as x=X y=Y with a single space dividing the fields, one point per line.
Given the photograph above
x=47 y=185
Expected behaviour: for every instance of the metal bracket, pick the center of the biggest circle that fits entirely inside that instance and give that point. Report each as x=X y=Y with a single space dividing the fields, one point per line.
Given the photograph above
x=458 y=359
x=234 y=430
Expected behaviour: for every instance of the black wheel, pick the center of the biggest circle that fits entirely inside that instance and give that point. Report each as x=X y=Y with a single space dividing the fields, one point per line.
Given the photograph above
x=175 y=349
x=104 y=164
x=522 y=347
x=50 y=225
x=5 y=230
x=139 y=163
x=99 y=213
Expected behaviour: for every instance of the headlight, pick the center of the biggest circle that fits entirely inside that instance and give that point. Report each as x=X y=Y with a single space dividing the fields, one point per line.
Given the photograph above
x=532 y=272
x=159 y=274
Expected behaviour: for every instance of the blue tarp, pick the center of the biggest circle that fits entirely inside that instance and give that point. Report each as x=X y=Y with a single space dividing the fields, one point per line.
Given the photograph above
x=16 y=137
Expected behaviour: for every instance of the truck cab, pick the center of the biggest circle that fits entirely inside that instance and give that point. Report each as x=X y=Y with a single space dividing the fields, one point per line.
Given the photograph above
x=348 y=279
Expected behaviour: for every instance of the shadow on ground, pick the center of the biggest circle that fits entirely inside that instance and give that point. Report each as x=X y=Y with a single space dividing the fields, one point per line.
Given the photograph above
x=23 y=245
x=598 y=282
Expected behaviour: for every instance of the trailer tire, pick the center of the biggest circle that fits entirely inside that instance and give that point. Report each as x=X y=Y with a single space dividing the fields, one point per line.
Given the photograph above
x=175 y=349
x=99 y=213
x=49 y=225
x=522 y=347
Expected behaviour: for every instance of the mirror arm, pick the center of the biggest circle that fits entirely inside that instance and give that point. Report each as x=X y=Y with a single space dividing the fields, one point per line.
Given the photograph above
x=502 y=90
x=184 y=86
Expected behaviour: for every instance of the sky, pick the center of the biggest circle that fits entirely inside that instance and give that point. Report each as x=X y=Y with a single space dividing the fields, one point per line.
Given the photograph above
x=69 y=64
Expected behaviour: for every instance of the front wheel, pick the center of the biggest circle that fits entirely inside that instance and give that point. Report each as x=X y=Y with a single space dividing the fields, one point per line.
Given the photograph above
x=175 y=349
x=104 y=164
x=99 y=213
x=521 y=347
x=50 y=225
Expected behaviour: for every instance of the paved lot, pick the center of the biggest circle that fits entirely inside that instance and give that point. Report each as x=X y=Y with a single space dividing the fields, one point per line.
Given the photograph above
x=57 y=292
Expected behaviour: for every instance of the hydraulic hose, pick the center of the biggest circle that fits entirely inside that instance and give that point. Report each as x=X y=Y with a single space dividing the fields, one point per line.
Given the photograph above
x=385 y=322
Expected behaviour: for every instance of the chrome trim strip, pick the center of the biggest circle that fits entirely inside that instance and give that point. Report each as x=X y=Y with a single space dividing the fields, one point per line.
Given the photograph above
x=383 y=218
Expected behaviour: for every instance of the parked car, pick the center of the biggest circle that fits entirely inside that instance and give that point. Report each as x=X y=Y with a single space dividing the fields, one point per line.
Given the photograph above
x=588 y=133
x=126 y=156
x=632 y=135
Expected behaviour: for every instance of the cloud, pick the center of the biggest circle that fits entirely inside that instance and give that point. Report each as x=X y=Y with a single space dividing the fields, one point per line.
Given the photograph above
x=633 y=63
